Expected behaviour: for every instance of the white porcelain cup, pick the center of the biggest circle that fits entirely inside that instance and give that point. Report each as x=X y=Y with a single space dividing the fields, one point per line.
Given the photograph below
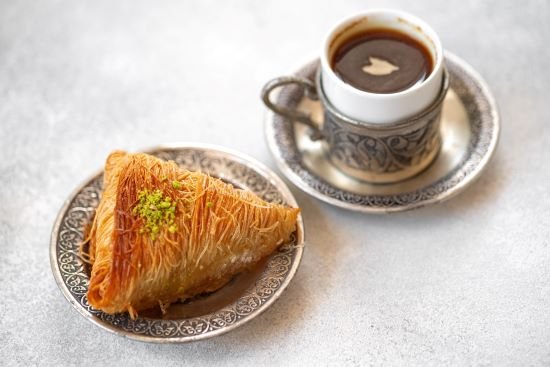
x=372 y=137
x=376 y=107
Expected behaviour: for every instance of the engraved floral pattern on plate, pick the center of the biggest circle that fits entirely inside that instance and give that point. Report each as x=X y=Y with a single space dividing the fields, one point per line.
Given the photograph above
x=264 y=286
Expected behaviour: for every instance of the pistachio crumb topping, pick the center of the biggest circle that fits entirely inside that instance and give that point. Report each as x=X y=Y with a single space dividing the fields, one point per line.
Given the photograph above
x=209 y=204
x=176 y=184
x=157 y=211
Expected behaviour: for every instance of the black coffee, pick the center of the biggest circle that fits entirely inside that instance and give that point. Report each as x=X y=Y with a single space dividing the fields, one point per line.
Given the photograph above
x=382 y=61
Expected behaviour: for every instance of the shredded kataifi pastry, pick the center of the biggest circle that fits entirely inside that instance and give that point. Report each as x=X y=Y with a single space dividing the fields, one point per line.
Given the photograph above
x=162 y=234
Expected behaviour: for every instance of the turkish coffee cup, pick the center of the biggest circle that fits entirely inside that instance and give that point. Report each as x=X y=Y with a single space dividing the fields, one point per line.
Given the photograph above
x=381 y=82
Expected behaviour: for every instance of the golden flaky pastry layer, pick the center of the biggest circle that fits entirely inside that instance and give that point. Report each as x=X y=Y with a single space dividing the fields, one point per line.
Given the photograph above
x=163 y=234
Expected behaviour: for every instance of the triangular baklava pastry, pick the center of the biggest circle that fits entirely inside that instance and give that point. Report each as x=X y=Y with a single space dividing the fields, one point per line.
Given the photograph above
x=163 y=234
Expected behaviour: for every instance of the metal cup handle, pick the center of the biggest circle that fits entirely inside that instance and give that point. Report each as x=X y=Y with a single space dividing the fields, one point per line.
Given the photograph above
x=310 y=92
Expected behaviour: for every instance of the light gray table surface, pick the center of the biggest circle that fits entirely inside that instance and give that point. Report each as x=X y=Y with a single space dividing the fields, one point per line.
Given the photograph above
x=466 y=282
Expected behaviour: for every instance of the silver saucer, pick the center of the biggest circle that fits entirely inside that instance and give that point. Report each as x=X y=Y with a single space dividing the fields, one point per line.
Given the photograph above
x=243 y=298
x=470 y=129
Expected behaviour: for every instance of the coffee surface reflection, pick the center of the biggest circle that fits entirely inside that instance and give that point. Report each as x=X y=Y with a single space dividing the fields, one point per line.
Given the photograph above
x=382 y=61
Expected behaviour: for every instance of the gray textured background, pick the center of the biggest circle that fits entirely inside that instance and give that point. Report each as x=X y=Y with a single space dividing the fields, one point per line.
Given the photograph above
x=463 y=283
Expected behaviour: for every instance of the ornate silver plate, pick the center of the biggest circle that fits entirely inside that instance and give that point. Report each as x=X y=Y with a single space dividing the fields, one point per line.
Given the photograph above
x=470 y=130
x=245 y=297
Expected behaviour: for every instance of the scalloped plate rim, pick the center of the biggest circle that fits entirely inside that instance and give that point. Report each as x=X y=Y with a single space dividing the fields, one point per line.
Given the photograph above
x=459 y=188
x=236 y=156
